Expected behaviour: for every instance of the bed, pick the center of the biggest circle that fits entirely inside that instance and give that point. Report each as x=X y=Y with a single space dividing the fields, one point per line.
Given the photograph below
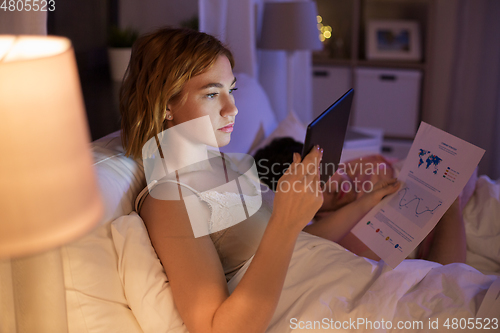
x=115 y=283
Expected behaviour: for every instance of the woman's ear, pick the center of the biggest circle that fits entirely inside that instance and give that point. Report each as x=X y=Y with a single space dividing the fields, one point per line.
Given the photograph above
x=168 y=114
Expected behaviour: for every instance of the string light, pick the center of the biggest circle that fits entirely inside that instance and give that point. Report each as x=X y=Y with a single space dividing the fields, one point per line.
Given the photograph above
x=325 y=31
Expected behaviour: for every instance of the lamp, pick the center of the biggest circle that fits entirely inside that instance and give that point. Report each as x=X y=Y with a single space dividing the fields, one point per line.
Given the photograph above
x=290 y=26
x=48 y=189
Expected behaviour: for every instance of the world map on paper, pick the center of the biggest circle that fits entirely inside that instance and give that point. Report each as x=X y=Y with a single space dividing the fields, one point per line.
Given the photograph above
x=429 y=159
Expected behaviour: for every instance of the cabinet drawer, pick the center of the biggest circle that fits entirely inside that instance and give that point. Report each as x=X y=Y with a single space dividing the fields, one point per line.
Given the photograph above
x=388 y=99
x=329 y=84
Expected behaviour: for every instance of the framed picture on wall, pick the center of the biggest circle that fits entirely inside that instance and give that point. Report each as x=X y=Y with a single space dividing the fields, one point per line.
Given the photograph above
x=393 y=40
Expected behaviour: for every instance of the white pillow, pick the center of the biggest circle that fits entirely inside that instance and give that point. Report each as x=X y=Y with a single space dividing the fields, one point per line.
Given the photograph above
x=291 y=126
x=146 y=288
x=95 y=298
x=255 y=119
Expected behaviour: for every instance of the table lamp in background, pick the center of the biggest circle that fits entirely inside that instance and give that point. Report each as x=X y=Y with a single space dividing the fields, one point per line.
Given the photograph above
x=290 y=26
x=48 y=190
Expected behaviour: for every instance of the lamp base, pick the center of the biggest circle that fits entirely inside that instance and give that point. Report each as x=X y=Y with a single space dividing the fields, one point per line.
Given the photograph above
x=38 y=293
x=8 y=322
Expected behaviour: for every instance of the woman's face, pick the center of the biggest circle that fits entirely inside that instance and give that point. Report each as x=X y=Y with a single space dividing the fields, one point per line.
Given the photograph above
x=209 y=94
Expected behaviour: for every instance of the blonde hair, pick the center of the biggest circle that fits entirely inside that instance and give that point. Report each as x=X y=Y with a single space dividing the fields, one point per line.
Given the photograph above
x=160 y=64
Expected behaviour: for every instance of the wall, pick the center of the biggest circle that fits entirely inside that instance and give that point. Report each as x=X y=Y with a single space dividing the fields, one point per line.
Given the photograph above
x=86 y=23
x=146 y=15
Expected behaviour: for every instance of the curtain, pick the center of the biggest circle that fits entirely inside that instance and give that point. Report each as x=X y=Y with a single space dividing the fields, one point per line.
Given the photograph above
x=237 y=24
x=233 y=22
x=465 y=76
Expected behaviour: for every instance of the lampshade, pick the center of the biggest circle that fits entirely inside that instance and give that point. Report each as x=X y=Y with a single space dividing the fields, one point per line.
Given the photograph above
x=48 y=190
x=290 y=26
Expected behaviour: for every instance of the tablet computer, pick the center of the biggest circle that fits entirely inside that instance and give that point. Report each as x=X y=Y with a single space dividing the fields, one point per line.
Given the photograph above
x=328 y=131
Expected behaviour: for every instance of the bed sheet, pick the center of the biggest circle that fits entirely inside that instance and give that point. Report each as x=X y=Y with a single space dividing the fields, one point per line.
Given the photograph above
x=332 y=288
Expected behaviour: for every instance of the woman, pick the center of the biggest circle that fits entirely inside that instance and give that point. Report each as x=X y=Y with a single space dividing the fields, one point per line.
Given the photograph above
x=176 y=77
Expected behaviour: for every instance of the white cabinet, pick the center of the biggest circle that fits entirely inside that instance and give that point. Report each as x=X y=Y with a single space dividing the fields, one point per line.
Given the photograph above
x=387 y=99
x=389 y=93
x=329 y=84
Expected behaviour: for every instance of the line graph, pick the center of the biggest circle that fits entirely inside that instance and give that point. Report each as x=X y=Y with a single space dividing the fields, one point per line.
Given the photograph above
x=415 y=203
x=406 y=203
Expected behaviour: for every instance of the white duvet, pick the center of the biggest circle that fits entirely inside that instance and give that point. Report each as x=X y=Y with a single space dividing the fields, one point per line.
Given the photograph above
x=327 y=284
x=328 y=288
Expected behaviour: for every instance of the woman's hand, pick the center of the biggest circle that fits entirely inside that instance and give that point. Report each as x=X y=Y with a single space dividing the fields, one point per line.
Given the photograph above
x=364 y=167
x=298 y=192
x=381 y=189
x=336 y=225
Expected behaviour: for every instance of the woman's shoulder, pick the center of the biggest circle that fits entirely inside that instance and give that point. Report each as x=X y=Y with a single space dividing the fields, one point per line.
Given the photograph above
x=167 y=215
x=175 y=209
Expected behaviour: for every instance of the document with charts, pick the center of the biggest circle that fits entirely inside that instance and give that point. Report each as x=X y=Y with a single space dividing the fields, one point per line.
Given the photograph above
x=435 y=171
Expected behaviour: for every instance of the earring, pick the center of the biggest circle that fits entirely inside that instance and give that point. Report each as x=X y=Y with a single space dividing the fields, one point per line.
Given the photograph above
x=168 y=115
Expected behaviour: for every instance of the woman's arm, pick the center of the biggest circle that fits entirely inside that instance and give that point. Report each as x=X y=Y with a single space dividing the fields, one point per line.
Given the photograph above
x=195 y=272
x=339 y=223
